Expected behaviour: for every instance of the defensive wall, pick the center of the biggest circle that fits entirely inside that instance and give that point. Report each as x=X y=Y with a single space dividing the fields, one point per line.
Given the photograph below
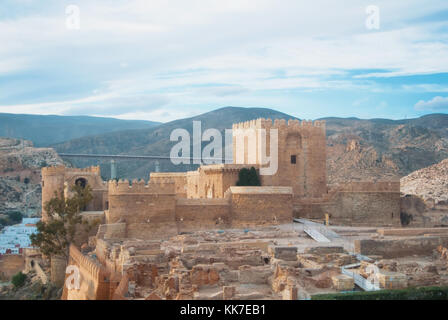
x=94 y=279
x=153 y=211
x=355 y=203
x=10 y=264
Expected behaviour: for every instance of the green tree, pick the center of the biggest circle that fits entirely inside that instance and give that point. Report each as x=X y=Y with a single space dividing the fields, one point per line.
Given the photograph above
x=248 y=177
x=18 y=279
x=54 y=236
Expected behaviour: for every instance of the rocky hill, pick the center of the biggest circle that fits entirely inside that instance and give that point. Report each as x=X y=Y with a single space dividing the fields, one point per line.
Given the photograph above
x=357 y=149
x=382 y=149
x=429 y=183
x=20 y=165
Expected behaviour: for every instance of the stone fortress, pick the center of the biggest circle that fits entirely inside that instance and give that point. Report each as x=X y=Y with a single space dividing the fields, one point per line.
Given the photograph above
x=145 y=225
x=172 y=202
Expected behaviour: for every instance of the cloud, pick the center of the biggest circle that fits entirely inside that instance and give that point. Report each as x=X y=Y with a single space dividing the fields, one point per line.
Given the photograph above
x=435 y=104
x=138 y=56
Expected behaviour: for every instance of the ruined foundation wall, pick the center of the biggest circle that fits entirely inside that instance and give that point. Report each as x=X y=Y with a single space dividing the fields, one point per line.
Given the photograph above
x=396 y=248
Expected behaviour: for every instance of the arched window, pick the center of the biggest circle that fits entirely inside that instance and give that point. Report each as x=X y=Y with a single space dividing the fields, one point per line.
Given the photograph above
x=81 y=182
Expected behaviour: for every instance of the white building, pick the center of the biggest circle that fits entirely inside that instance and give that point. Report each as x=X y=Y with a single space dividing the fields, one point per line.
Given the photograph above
x=18 y=236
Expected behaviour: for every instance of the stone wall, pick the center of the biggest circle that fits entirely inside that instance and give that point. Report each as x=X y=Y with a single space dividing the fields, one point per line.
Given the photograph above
x=355 y=203
x=10 y=264
x=178 y=178
x=212 y=181
x=202 y=214
x=111 y=231
x=153 y=211
x=147 y=209
x=94 y=280
x=255 y=206
x=395 y=248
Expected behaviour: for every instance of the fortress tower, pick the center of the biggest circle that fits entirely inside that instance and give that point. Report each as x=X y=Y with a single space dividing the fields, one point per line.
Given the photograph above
x=301 y=153
x=59 y=179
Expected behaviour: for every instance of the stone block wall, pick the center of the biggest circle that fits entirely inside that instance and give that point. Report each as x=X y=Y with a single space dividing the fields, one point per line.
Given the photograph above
x=178 y=178
x=147 y=209
x=395 y=248
x=255 y=206
x=94 y=280
x=202 y=214
x=355 y=203
x=153 y=211
x=10 y=264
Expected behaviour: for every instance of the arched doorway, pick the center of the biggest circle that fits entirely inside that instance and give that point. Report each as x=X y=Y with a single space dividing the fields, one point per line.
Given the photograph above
x=82 y=182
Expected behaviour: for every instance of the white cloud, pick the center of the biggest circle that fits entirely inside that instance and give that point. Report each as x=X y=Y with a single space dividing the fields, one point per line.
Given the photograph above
x=210 y=52
x=435 y=104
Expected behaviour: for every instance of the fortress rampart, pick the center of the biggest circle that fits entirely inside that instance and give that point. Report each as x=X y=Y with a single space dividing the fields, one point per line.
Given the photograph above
x=147 y=209
x=124 y=187
x=355 y=203
x=155 y=215
x=94 y=280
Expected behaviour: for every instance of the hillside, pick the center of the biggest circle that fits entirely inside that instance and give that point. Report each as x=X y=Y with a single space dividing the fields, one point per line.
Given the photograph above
x=156 y=141
x=357 y=149
x=44 y=130
x=428 y=183
x=383 y=149
x=20 y=165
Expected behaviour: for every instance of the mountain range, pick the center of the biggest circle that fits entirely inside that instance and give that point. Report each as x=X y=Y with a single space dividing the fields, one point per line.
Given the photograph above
x=44 y=130
x=357 y=149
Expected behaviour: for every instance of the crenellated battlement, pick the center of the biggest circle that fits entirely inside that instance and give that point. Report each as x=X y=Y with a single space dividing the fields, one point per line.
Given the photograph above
x=140 y=186
x=61 y=170
x=54 y=170
x=95 y=270
x=279 y=124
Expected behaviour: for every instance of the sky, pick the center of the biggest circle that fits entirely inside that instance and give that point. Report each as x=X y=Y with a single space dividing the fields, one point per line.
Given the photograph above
x=162 y=60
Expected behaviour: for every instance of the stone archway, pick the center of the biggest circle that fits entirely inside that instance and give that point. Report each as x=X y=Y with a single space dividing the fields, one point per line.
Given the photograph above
x=81 y=182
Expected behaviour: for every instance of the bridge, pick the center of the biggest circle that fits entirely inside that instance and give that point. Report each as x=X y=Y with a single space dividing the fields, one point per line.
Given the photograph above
x=113 y=157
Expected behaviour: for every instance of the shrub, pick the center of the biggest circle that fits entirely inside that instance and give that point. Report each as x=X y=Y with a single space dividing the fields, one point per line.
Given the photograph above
x=248 y=177
x=421 y=293
x=18 y=279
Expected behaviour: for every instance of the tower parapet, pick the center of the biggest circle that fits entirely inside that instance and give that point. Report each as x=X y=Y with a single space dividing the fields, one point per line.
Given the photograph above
x=262 y=123
x=140 y=187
